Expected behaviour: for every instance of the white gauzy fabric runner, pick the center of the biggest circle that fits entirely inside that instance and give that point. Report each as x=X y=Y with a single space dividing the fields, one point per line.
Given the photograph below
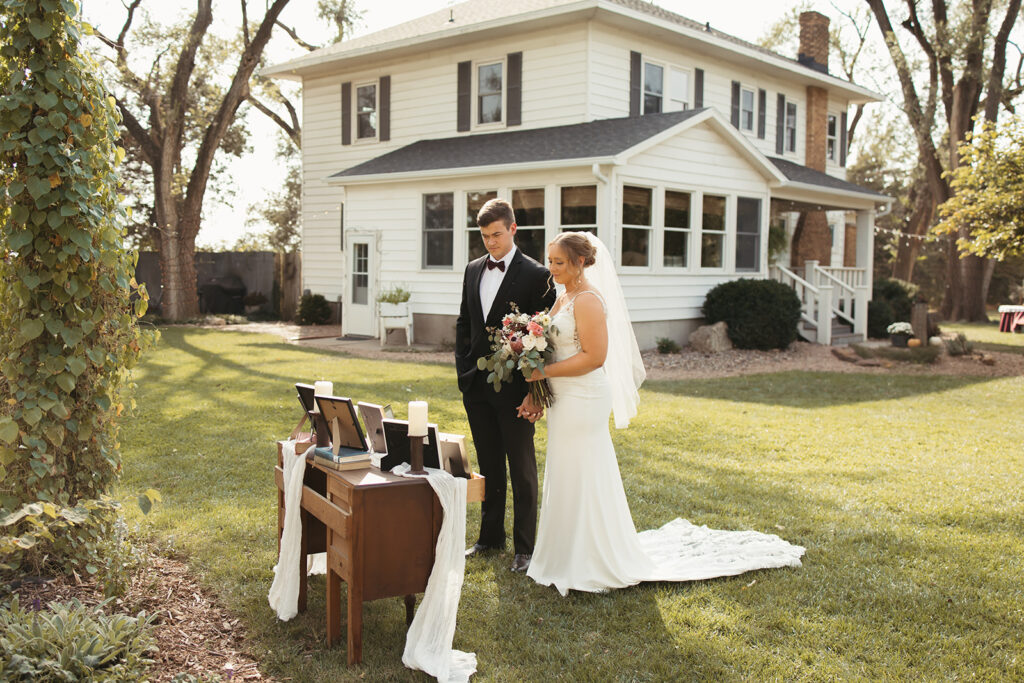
x=428 y=644
x=284 y=591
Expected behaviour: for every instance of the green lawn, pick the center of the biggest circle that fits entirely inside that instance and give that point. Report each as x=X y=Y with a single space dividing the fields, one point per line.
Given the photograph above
x=987 y=337
x=906 y=490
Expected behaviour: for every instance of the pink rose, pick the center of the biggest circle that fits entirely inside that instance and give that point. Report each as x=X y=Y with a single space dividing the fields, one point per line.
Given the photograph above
x=535 y=329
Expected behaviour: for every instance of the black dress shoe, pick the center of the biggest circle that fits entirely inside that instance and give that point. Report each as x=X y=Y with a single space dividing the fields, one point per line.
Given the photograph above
x=480 y=548
x=521 y=563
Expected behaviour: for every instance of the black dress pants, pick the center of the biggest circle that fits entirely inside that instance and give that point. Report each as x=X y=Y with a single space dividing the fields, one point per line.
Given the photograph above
x=500 y=436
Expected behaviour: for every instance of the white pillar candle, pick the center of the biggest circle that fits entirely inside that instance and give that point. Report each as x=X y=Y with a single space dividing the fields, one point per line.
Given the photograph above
x=417 y=418
x=322 y=388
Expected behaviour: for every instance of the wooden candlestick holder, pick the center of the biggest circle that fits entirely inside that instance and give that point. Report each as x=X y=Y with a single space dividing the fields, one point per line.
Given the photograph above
x=416 y=456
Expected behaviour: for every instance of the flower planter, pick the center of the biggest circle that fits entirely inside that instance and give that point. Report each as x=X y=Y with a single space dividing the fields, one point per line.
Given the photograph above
x=394 y=310
x=899 y=340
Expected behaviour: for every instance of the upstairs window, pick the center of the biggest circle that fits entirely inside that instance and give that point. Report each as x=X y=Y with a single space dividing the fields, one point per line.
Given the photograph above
x=678 y=89
x=654 y=88
x=489 y=93
x=746 y=109
x=790 y=127
x=832 y=139
x=366 y=111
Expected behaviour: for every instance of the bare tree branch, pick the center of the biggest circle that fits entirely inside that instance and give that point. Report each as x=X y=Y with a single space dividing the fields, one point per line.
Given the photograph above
x=995 y=76
x=295 y=36
x=245 y=25
x=150 y=149
x=293 y=131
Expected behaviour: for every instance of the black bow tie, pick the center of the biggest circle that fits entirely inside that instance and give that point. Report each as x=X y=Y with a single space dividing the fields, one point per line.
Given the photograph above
x=500 y=265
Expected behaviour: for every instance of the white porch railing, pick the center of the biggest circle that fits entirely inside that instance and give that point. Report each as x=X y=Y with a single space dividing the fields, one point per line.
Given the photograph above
x=827 y=293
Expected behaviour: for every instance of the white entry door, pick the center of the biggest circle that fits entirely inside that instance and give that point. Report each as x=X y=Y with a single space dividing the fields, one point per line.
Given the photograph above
x=359 y=313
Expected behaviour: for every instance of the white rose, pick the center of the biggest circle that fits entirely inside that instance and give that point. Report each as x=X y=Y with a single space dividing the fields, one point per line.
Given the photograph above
x=540 y=344
x=529 y=342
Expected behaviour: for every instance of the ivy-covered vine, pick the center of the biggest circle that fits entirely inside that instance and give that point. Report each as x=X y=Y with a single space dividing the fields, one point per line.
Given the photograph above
x=69 y=303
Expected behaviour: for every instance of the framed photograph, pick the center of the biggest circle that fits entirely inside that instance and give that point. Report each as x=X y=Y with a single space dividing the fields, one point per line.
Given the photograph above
x=373 y=419
x=396 y=433
x=346 y=433
x=453 y=455
x=305 y=396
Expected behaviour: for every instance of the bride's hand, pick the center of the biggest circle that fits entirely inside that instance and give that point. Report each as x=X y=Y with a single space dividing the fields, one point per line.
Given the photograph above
x=536 y=376
x=528 y=410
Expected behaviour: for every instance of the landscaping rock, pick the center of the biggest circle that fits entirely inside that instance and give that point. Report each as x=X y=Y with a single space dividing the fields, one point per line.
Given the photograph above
x=845 y=353
x=711 y=338
x=869 y=363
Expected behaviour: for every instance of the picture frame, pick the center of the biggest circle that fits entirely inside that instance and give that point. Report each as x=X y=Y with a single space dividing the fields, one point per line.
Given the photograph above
x=373 y=420
x=396 y=433
x=346 y=433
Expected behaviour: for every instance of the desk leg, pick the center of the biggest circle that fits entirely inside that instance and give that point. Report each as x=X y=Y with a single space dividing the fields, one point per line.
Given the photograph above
x=410 y=603
x=333 y=607
x=303 y=549
x=355 y=624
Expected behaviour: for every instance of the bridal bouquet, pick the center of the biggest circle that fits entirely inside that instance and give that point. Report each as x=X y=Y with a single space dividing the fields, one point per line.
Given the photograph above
x=520 y=343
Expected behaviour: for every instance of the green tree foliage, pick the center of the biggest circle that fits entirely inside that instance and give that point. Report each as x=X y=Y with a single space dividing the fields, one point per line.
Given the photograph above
x=988 y=199
x=68 y=300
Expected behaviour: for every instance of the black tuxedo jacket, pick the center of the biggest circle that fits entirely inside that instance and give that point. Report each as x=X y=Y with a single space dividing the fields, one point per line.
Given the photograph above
x=527 y=284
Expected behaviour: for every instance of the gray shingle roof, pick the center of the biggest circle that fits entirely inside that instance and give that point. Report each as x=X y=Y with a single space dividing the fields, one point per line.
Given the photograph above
x=803 y=174
x=597 y=139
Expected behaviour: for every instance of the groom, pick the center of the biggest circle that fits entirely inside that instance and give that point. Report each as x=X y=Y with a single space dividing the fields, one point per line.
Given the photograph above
x=490 y=285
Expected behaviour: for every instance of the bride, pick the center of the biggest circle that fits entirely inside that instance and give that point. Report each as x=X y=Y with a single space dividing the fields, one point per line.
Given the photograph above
x=586 y=540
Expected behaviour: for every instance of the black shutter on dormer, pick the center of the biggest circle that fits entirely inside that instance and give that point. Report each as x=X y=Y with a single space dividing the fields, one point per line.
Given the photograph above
x=346 y=113
x=842 y=140
x=635 y=83
x=384 y=131
x=762 y=104
x=735 y=104
x=780 y=125
x=515 y=89
x=698 y=88
x=465 y=94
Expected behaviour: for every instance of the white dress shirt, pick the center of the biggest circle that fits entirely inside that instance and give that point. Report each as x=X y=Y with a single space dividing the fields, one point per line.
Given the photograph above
x=490 y=281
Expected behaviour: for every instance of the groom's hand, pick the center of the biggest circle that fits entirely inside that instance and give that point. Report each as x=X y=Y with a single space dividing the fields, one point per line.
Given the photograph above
x=528 y=410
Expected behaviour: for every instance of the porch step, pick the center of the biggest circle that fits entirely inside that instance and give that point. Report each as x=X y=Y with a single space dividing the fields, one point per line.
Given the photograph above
x=842 y=334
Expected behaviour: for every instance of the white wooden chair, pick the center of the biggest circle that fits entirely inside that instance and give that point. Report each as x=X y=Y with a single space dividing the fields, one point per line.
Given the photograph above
x=395 y=316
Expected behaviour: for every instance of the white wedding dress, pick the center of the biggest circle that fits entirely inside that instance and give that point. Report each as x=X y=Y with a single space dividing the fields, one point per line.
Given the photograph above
x=586 y=540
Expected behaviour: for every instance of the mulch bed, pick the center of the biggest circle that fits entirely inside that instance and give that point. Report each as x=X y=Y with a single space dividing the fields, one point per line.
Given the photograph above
x=193 y=632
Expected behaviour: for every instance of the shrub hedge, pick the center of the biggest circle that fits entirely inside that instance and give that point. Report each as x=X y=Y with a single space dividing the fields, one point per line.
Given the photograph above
x=761 y=314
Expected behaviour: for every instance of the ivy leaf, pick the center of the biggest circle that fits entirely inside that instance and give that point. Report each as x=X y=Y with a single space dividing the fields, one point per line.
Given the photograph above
x=76 y=365
x=39 y=30
x=71 y=336
x=30 y=329
x=87 y=327
x=8 y=430
x=32 y=416
x=15 y=188
x=19 y=239
x=66 y=382
x=37 y=187
x=31 y=280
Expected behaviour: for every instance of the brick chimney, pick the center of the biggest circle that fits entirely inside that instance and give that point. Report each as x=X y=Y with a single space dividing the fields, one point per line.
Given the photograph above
x=813 y=41
x=812 y=239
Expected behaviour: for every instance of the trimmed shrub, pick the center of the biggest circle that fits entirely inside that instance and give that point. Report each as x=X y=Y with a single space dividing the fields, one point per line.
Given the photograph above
x=666 y=345
x=891 y=301
x=313 y=310
x=761 y=314
x=72 y=642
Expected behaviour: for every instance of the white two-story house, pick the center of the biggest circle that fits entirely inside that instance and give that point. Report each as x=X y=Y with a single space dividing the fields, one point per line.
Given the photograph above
x=677 y=144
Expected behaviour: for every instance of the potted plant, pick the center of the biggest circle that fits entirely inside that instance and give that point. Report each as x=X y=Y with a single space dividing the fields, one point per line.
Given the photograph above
x=394 y=301
x=900 y=333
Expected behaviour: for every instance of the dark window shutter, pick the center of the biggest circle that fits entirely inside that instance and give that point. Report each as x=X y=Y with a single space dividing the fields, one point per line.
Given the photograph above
x=384 y=131
x=346 y=113
x=780 y=124
x=465 y=91
x=762 y=104
x=698 y=88
x=635 y=83
x=842 y=140
x=514 y=101
x=735 y=104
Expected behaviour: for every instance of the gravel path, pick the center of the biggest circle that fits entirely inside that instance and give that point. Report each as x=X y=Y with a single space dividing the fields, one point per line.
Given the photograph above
x=688 y=364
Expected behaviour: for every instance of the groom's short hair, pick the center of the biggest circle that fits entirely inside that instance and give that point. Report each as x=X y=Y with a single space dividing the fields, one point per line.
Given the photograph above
x=496 y=210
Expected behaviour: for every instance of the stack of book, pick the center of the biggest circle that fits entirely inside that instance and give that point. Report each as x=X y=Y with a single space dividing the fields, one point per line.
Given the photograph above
x=344 y=459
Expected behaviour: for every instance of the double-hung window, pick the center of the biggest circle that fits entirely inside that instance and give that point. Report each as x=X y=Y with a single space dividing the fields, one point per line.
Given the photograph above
x=636 y=225
x=678 y=89
x=677 y=229
x=366 y=111
x=489 y=93
x=654 y=88
x=528 y=206
x=746 y=109
x=474 y=243
x=790 y=126
x=712 y=232
x=832 y=139
x=438 y=229
x=748 y=233
x=578 y=210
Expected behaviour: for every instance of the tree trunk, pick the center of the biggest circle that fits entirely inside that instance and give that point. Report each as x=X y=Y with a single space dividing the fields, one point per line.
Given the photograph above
x=180 y=299
x=908 y=248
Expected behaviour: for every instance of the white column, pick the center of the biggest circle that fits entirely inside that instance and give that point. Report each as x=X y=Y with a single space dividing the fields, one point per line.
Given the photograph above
x=866 y=262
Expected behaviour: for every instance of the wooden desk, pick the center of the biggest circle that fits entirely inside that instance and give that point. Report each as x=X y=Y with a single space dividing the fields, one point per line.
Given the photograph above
x=379 y=532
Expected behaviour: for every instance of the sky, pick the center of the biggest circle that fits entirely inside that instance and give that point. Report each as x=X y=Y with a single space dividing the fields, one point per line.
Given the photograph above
x=260 y=173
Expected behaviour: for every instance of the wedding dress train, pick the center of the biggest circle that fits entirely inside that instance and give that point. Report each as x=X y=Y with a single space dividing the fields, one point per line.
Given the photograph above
x=586 y=540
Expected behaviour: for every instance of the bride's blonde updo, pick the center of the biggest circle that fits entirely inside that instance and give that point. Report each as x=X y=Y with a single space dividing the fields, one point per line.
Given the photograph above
x=576 y=246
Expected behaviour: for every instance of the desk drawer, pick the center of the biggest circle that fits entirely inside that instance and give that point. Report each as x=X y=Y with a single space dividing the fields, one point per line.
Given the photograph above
x=475 y=489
